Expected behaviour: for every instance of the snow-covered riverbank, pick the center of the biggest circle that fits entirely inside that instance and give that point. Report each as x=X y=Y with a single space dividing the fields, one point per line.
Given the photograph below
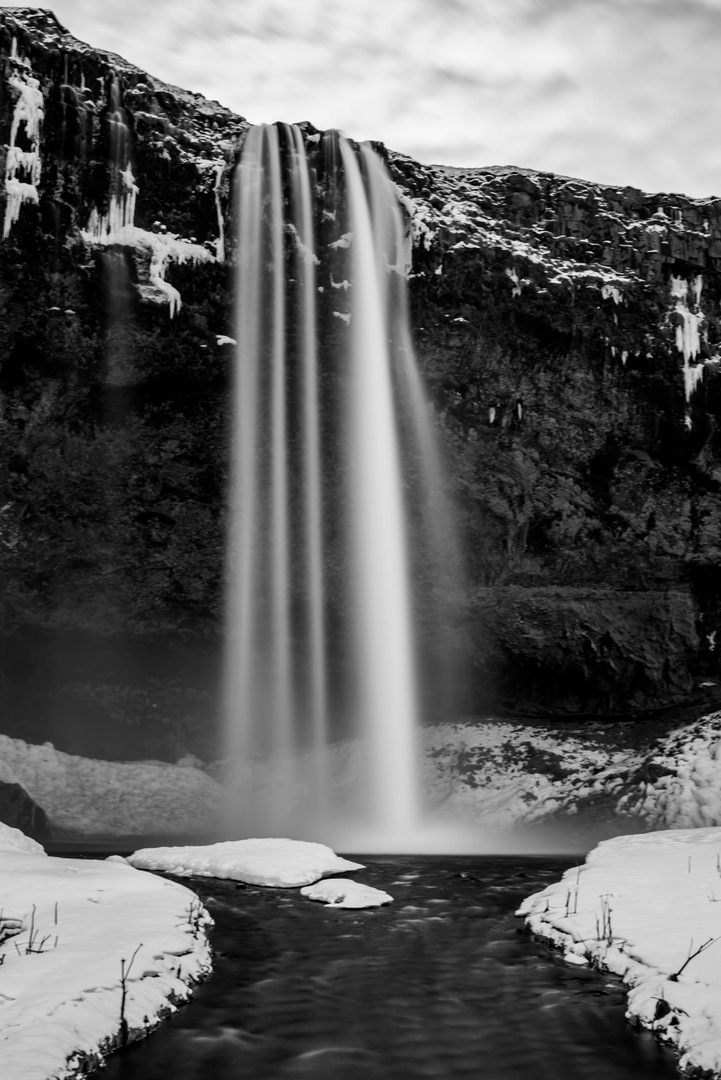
x=93 y=954
x=648 y=908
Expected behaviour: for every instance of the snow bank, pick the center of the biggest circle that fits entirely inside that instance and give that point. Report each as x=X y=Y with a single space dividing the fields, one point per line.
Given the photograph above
x=343 y=893
x=498 y=774
x=645 y=908
x=80 y=930
x=89 y=798
x=679 y=784
x=276 y=862
x=14 y=840
x=502 y=773
x=508 y=774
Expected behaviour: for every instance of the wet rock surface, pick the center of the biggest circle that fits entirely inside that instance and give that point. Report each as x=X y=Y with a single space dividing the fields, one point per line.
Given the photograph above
x=568 y=332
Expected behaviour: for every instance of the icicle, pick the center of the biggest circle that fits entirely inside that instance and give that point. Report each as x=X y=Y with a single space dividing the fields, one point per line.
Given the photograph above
x=610 y=292
x=118 y=227
x=220 y=242
x=688 y=332
x=22 y=167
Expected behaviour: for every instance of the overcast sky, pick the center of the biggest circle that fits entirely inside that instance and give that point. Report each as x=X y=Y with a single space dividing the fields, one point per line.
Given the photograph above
x=618 y=91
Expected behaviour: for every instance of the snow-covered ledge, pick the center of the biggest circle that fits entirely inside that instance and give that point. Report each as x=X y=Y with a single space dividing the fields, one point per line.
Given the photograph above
x=647 y=908
x=94 y=954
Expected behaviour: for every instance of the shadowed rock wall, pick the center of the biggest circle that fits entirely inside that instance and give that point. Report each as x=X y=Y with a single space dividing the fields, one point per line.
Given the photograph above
x=570 y=334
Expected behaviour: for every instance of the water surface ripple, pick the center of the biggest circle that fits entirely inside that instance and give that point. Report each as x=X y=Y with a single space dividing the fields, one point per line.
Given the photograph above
x=443 y=983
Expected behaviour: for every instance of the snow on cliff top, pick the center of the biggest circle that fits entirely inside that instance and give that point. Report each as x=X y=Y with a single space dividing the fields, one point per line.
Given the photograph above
x=648 y=909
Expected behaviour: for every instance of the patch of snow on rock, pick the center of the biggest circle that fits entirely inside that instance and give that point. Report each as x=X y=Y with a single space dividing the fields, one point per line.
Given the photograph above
x=679 y=786
x=344 y=893
x=609 y=291
x=503 y=773
x=270 y=861
x=86 y=797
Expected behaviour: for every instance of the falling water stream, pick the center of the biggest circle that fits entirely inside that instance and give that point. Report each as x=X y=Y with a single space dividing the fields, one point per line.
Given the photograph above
x=328 y=404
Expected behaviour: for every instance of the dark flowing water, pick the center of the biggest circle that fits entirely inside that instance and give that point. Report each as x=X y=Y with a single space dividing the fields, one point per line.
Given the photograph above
x=442 y=983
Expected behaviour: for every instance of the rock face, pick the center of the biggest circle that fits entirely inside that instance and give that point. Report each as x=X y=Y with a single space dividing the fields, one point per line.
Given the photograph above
x=568 y=332
x=19 y=811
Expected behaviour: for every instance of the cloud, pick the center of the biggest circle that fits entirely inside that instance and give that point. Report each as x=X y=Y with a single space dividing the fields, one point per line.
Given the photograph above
x=618 y=91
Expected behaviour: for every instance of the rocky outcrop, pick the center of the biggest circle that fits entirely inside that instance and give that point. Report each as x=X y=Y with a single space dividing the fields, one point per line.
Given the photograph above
x=19 y=811
x=568 y=332
x=86 y=798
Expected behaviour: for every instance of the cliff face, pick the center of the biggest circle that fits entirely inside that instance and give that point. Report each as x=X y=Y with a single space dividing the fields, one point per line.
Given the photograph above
x=569 y=335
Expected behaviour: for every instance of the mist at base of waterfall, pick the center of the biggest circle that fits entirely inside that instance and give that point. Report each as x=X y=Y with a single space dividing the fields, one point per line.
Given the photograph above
x=277 y=798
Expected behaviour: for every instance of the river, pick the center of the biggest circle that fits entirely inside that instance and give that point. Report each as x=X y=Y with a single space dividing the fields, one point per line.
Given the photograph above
x=445 y=982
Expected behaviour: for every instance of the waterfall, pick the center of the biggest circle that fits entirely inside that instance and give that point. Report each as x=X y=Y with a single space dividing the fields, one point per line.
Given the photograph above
x=386 y=684
x=328 y=404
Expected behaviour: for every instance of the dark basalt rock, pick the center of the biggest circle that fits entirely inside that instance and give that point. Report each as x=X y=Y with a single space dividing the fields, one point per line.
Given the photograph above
x=550 y=317
x=18 y=810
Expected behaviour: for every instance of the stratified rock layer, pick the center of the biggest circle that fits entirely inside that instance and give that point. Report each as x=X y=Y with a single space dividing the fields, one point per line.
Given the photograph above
x=569 y=335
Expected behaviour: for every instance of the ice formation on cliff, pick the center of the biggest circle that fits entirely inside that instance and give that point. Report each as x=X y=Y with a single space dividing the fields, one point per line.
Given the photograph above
x=688 y=329
x=161 y=248
x=611 y=292
x=22 y=167
x=220 y=242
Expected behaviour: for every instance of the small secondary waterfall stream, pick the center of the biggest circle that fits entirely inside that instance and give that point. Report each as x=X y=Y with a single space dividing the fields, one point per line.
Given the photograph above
x=328 y=402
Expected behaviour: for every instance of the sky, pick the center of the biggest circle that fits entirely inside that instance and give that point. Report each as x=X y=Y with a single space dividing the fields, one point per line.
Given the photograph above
x=616 y=91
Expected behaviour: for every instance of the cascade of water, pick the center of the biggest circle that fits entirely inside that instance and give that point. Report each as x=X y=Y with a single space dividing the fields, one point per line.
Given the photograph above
x=306 y=260
x=319 y=598
x=383 y=641
x=435 y=532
